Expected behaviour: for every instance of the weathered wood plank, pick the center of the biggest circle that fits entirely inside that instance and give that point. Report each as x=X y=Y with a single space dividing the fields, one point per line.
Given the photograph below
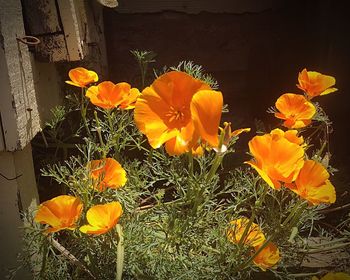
x=73 y=29
x=52 y=48
x=18 y=107
x=41 y=17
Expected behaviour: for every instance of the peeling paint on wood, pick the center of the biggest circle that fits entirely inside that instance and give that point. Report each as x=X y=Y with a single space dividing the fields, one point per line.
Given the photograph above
x=52 y=48
x=41 y=17
x=16 y=80
x=72 y=27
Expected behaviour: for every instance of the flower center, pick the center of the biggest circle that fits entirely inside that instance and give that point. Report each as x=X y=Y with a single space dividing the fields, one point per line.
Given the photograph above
x=178 y=117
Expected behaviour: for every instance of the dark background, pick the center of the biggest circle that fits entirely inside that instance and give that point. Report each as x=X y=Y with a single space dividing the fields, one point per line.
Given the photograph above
x=255 y=57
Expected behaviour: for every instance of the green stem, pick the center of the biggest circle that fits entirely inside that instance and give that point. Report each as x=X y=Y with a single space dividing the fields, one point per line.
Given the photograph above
x=296 y=209
x=120 y=252
x=190 y=163
x=292 y=213
x=83 y=112
x=44 y=259
x=216 y=163
x=295 y=219
x=258 y=203
x=257 y=252
x=99 y=134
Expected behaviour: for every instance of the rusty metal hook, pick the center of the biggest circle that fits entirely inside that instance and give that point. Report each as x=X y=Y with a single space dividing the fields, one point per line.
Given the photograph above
x=29 y=40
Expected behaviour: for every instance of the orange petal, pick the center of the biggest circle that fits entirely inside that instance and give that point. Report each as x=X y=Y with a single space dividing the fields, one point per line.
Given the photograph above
x=313 y=185
x=268 y=257
x=272 y=183
x=102 y=218
x=254 y=236
x=81 y=77
x=206 y=108
x=107 y=173
x=61 y=212
x=150 y=117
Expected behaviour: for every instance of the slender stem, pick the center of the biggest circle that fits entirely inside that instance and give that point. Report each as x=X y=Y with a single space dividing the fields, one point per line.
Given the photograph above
x=190 y=163
x=83 y=112
x=99 y=134
x=216 y=163
x=120 y=253
x=292 y=213
x=257 y=252
x=44 y=259
x=298 y=206
x=258 y=203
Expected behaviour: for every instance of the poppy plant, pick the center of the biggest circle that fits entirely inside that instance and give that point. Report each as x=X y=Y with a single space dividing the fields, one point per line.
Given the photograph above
x=179 y=110
x=107 y=173
x=313 y=185
x=267 y=257
x=102 y=218
x=277 y=157
x=108 y=95
x=295 y=110
x=315 y=84
x=81 y=77
x=61 y=212
x=254 y=236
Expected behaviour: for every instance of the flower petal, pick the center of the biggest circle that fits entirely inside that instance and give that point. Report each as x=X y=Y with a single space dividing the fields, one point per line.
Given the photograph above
x=206 y=108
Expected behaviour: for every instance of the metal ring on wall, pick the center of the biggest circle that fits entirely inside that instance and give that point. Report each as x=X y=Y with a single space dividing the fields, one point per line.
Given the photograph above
x=29 y=40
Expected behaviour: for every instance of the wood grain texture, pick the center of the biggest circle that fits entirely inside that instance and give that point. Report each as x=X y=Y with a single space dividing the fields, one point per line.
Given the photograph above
x=18 y=107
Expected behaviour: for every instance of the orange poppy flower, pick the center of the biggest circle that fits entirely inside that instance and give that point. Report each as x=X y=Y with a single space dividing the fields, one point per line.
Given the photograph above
x=295 y=110
x=178 y=110
x=313 y=185
x=254 y=237
x=107 y=173
x=61 y=212
x=81 y=77
x=334 y=276
x=102 y=218
x=277 y=157
x=108 y=95
x=291 y=135
x=268 y=257
x=315 y=84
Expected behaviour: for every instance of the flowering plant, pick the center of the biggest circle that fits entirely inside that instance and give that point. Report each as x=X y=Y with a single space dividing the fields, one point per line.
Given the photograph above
x=149 y=195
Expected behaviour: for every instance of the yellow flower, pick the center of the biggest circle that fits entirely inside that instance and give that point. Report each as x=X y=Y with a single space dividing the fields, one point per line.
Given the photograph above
x=315 y=84
x=313 y=185
x=61 y=212
x=102 y=218
x=334 y=276
x=268 y=257
x=295 y=110
x=107 y=173
x=278 y=156
x=179 y=110
x=108 y=95
x=81 y=77
x=254 y=236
